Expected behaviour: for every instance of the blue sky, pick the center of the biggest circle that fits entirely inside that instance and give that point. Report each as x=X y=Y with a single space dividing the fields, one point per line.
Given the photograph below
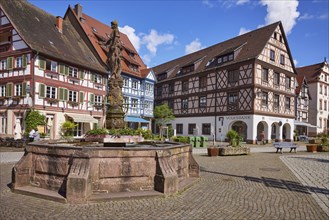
x=165 y=30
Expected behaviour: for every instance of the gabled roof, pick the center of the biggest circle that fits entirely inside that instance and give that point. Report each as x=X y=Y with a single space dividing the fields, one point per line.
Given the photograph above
x=251 y=45
x=97 y=32
x=311 y=72
x=38 y=30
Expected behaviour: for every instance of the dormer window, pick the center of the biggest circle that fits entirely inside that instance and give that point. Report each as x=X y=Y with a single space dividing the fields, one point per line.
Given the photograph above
x=220 y=60
x=94 y=29
x=162 y=76
x=187 y=69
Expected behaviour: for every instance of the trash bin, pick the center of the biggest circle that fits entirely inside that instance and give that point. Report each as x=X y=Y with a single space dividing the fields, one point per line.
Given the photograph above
x=191 y=140
x=197 y=141
x=204 y=141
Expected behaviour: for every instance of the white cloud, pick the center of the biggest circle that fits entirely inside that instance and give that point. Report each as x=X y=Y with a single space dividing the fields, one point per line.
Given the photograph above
x=208 y=3
x=153 y=40
x=130 y=32
x=284 y=11
x=295 y=62
x=306 y=16
x=324 y=16
x=242 y=2
x=243 y=31
x=193 y=46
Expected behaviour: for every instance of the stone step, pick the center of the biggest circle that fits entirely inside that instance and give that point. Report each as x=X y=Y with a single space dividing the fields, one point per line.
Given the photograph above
x=40 y=193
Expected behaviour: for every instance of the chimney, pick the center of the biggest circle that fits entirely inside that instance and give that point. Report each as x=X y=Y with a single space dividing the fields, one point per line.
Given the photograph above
x=59 y=23
x=78 y=10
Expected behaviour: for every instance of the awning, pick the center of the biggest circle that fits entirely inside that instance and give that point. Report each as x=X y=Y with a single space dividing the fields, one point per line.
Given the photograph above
x=135 y=119
x=300 y=123
x=82 y=118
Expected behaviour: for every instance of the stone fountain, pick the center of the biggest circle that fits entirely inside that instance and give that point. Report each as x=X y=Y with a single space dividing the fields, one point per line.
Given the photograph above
x=94 y=172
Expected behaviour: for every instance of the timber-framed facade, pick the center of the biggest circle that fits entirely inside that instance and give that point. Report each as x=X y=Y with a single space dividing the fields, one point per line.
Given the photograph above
x=246 y=83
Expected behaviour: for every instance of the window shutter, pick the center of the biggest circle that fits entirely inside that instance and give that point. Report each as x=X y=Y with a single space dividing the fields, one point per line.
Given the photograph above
x=61 y=94
x=81 y=74
x=81 y=97
x=9 y=89
x=104 y=80
x=10 y=63
x=92 y=98
x=66 y=70
x=24 y=89
x=61 y=69
x=92 y=77
x=24 y=61
x=65 y=95
x=42 y=90
x=105 y=100
x=42 y=64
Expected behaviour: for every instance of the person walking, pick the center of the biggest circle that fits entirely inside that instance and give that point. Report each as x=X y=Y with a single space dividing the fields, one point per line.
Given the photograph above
x=36 y=135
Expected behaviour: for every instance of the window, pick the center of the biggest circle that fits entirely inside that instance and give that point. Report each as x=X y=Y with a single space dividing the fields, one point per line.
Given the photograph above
x=276 y=101
x=134 y=103
x=220 y=60
x=203 y=82
x=148 y=87
x=162 y=76
x=288 y=82
x=73 y=96
x=134 y=84
x=171 y=104
x=187 y=69
x=98 y=100
x=288 y=103
x=179 y=128
x=275 y=36
x=50 y=92
x=78 y=129
x=325 y=90
x=272 y=55
x=232 y=98
x=202 y=102
x=206 y=128
x=125 y=82
x=191 y=127
x=19 y=62
x=159 y=90
x=225 y=59
x=320 y=89
x=3 y=120
x=281 y=39
x=320 y=104
x=171 y=88
x=184 y=103
x=264 y=99
x=276 y=78
x=233 y=76
x=185 y=86
x=325 y=105
x=73 y=72
x=320 y=122
x=18 y=89
x=2 y=90
x=3 y=65
x=230 y=57
x=264 y=75
x=282 y=58
x=51 y=65
x=97 y=78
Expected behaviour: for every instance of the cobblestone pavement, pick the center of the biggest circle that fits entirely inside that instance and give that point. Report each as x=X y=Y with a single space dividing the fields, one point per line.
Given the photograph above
x=313 y=172
x=258 y=186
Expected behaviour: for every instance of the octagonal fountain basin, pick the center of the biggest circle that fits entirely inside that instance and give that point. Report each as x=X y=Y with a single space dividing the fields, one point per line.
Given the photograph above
x=79 y=174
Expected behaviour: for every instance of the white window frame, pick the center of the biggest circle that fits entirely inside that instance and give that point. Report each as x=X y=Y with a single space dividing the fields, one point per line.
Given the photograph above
x=73 y=72
x=18 y=89
x=98 y=78
x=78 y=130
x=3 y=64
x=51 y=92
x=184 y=103
x=3 y=90
x=98 y=100
x=73 y=96
x=125 y=82
x=18 y=62
x=3 y=120
x=134 y=84
x=134 y=103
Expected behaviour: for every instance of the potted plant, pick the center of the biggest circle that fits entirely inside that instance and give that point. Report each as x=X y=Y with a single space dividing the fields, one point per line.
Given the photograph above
x=67 y=129
x=324 y=146
x=234 y=148
x=213 y=151
x=233 y=137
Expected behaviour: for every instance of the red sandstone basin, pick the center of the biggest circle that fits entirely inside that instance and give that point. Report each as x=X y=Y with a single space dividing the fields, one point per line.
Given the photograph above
x=78 y=174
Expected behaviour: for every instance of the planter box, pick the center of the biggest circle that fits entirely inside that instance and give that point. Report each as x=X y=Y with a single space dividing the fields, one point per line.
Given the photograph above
x=213 y=151
x=321 y=148
x=311 y=147
x=231 y=151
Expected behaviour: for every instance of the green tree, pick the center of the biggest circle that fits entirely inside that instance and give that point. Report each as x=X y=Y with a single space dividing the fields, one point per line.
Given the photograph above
x=163 y=115
x=67 y=129
x=33 y=119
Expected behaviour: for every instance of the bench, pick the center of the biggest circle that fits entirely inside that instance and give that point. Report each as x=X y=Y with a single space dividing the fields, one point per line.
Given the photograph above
x=280 y=145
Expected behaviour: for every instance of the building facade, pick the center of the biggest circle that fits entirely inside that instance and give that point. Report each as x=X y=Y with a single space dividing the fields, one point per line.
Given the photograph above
x=318 y=80
x=45 y=67
x=138 y=80
x=246 y=83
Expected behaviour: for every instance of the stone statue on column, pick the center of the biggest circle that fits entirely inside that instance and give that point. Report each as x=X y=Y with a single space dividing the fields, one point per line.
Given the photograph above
x=114 y=114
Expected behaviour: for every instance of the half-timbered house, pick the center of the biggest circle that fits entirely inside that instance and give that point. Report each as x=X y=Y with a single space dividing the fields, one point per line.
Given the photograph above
x=45 y=65
x=317 y=76
x=246 y=83
x=138 y=80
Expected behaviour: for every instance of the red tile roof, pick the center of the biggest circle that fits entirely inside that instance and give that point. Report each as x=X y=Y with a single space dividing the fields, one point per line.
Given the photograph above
x=311 y=72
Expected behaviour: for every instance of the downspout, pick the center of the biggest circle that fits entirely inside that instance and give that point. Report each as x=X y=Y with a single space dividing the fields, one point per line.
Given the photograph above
x=33 y=79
